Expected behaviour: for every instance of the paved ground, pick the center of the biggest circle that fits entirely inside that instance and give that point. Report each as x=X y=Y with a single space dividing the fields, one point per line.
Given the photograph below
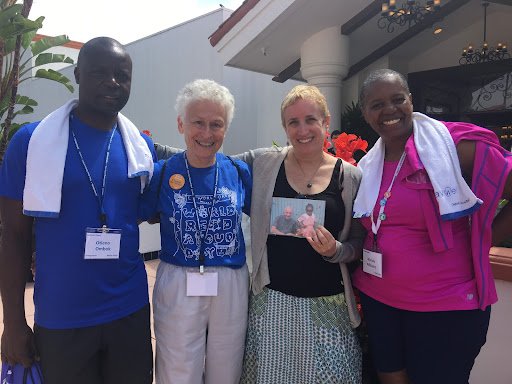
x=151 y=267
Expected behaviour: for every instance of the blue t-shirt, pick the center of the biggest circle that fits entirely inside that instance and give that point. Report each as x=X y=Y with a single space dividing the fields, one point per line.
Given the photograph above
x=71 y=292
x=223 y=243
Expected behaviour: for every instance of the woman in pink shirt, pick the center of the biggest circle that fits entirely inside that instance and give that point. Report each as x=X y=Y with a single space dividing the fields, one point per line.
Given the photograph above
x=426 y=285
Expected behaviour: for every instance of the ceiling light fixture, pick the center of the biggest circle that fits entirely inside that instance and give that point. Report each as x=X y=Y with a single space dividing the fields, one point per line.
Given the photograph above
x=471 y=55
x=411 y=12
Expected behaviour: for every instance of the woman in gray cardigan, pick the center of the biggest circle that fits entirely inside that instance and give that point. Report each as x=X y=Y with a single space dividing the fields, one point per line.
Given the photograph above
x=302 y=309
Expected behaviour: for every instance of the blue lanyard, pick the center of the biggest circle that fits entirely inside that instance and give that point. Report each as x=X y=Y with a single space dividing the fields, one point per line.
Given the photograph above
x=199 y=234
x=103 y=215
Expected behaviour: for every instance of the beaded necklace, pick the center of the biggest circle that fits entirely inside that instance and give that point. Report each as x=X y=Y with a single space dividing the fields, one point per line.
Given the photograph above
x=382 y=216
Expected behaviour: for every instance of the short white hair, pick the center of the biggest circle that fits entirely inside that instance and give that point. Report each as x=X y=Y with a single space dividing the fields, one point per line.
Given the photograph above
x=208 y=90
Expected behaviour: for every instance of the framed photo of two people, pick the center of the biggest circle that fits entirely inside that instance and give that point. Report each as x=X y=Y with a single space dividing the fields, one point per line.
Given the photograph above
x=296 y=217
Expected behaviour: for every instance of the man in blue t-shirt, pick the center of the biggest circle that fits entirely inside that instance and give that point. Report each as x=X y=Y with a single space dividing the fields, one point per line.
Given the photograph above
x=77 y=177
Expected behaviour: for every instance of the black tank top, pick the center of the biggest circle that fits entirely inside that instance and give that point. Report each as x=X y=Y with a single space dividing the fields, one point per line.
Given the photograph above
x=295 y=268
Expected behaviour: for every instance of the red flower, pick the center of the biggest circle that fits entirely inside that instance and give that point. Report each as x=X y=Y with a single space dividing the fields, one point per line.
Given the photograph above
x=346 y=144
x=147 y=132
x=358 y=303
x=327 y=145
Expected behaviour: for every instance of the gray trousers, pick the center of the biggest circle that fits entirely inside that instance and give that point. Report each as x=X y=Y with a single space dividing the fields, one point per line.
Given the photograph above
x=185 y=351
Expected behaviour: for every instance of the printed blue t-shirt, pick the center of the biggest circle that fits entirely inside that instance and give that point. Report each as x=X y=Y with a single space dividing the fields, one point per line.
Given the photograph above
x=224 y=242
x=71 y=292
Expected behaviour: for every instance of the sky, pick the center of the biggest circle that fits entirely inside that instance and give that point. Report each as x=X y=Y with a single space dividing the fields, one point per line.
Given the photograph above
x=124 y=20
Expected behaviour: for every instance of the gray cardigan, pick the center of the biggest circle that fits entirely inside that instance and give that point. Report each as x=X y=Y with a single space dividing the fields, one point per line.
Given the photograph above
x=265 y=167
x=265 y=164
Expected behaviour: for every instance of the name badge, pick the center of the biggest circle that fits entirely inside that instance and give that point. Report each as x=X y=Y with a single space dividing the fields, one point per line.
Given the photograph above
x=202 y=284
x=372 y=263
x=102 y=243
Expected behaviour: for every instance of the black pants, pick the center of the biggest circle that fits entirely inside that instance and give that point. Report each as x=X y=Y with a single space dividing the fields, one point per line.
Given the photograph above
x=118 y=352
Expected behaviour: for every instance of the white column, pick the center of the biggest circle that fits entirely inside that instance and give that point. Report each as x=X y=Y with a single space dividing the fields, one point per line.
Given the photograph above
x=324 y=63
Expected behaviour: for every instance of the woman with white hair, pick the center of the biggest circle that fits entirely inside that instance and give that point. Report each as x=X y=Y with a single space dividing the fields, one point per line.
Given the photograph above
x=202 y=279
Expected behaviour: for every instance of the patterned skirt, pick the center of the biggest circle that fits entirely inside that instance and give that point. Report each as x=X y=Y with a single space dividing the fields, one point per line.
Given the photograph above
x=296 y=340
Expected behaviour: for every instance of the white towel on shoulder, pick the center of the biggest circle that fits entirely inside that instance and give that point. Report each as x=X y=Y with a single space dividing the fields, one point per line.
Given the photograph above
x=438 y=154
x=46 y=156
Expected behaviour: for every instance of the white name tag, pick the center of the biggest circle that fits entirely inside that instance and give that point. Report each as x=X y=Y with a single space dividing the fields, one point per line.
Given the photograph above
x=202 y=284
x=372 y=263
x=102 y=243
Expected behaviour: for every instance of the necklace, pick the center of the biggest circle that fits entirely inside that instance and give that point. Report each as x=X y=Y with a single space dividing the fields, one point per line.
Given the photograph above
x=310 y=181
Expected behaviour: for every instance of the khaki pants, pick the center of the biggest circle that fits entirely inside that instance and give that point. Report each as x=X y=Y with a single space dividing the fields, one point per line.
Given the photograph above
x=184 y=351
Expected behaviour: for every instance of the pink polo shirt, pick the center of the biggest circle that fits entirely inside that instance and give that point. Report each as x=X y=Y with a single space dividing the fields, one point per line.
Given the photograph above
x=415 y=276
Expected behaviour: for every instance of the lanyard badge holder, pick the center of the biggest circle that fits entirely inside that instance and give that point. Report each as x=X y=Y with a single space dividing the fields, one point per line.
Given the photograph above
x=100 y=243
x=372 y=259
x=202 y=283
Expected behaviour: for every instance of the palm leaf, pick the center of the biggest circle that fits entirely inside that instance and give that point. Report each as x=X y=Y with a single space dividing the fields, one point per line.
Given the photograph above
x=10 y=12
x=47 y=58
x=51 y=74
x=25 y=101
x=44 y=59
x=47 y=43
x=17 y=26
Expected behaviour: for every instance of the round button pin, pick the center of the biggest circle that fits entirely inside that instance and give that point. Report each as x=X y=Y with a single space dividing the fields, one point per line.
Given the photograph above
x=176 y=181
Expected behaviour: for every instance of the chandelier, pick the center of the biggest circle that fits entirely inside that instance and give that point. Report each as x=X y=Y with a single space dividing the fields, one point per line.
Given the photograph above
x=410 y=13
x=471 y=55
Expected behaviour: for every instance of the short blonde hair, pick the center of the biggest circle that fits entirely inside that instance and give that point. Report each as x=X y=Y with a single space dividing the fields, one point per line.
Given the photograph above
x=305 y=92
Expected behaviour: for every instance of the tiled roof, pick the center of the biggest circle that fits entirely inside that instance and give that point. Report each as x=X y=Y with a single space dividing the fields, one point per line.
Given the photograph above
x=69 y=44
x=231 y=21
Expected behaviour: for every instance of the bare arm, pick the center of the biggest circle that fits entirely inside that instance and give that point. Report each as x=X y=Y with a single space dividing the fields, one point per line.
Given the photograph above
x=275 y=231
x=466 y=152
x=15 y=258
